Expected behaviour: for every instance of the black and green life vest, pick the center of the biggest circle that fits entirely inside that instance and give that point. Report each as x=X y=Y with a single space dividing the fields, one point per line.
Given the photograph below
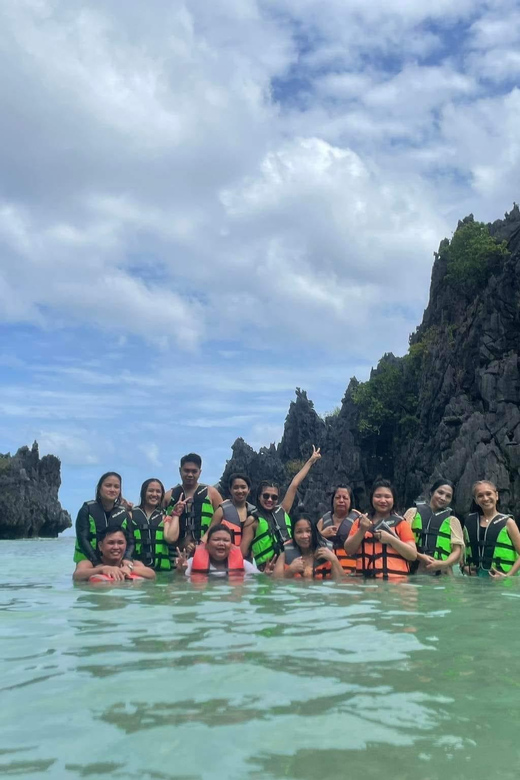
x=197 y=517
x=150 y=546
x=273 y=531
x=99 y=521
x=495 y=550
x=432 y=531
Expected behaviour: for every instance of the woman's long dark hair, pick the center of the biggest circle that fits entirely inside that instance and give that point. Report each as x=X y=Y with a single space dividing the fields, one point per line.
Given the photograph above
x=102 y=479
x=144 y=488
x=316 y=539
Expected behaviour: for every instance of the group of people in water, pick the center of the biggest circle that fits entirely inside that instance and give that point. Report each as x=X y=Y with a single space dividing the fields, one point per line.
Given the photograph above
x=190 y=529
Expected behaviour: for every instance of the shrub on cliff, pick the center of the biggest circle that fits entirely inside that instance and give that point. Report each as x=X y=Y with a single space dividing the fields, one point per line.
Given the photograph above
x=471 y=254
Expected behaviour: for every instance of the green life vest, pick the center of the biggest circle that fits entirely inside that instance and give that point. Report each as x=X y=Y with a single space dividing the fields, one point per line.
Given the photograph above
x=197 y=517
x=432 y=531
x=495 y=550
x=150 y=546
x=99 y=521
x=273 y=531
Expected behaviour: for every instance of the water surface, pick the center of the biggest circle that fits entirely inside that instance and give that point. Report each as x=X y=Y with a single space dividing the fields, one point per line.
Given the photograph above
x=265 y=680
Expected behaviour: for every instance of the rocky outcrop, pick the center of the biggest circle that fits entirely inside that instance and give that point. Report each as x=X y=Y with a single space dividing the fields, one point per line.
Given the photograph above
x=29 y=503
x=449 y=408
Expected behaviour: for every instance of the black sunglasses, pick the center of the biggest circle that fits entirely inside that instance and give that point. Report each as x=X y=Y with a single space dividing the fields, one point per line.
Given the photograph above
x=272 y=496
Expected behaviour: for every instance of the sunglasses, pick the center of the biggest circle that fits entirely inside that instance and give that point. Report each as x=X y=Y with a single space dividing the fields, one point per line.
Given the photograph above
x=270 y=496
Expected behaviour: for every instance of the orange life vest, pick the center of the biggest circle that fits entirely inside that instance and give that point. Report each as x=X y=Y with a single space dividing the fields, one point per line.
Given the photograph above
x=321 y=570
x=381 y=560
x=348 y=563
x=231 y=519
x=201 y=562
x=107 y=578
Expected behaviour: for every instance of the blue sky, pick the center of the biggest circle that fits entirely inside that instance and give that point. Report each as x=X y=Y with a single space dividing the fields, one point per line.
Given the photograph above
x=205 y=205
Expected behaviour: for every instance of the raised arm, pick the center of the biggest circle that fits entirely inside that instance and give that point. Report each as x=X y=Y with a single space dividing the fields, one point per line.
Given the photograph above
x=289 y=497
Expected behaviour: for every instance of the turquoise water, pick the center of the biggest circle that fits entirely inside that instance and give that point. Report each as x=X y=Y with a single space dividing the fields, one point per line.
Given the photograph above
x=265 y=680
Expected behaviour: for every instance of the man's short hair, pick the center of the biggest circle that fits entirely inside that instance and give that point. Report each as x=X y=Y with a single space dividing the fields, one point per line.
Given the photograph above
x=192 y=457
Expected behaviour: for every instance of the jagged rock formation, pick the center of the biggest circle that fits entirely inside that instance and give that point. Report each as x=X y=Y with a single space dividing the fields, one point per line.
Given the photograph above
x=450 y=407
x=29 y=503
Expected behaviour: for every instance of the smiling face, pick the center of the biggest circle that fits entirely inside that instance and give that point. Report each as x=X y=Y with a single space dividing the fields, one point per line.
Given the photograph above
x=269 y=497
x=239 y=491
x=219 y=545
x=154 y=494
x=383 y=501
x=441 y=498
x=302 y=534
x=486 y=496
x=341 y=502
x=112 y=548
x=110 y=489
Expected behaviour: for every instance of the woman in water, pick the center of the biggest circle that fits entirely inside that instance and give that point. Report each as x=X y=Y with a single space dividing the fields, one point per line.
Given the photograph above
x=234 y=512
x=307 y=554
x=218 y=557
x=268 y=527
x=94 y=517
x=382 y=540
x=112 y=566
x=492 y=538
x=148 y=521
x=438 y=534
x=336 y=524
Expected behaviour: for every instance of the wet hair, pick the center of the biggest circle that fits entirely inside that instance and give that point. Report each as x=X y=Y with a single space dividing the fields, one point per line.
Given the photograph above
x=239 y=476
x=145 y=486
x=316 y=541
x=102 y=479
x=219 y=527
x=102 y=535
x=191 y=457
x=382 y=483
x=261 y=487
x=439 y=482
x=342 y=487
x=474 y=506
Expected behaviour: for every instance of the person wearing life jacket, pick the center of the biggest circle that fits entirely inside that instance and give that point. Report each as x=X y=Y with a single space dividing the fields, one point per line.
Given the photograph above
x=148 y=527
x=111 y=566
x=94 y=517
x=193 y=503
x=438 y=534
x=492 y=538
x=308 y=554
x=268 y=527
x=382 y=540
x=336 y=524
x=234 y=511
x=218 y=557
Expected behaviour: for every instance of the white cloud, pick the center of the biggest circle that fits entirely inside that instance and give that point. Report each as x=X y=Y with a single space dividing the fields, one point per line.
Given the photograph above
x=73 y=449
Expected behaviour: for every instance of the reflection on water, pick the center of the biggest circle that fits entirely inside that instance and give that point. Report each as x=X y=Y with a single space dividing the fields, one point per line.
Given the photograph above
x=265 y=680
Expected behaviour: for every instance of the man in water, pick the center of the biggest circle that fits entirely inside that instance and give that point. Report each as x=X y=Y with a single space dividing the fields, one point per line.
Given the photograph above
x=111 y=548
x=190 y=505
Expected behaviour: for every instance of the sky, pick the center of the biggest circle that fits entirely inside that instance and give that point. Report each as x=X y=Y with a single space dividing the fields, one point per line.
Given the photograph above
x=204 y=205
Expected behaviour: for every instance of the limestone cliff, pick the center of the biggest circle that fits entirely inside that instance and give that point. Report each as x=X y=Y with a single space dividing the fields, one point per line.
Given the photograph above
x=450 y=407
x=29 y=503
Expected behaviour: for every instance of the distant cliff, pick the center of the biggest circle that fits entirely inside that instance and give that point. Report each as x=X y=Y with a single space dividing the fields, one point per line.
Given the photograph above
x=29 y=503
x=449 y=407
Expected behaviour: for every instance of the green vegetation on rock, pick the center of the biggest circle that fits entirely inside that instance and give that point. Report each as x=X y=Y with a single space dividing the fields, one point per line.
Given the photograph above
x=471 y=254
